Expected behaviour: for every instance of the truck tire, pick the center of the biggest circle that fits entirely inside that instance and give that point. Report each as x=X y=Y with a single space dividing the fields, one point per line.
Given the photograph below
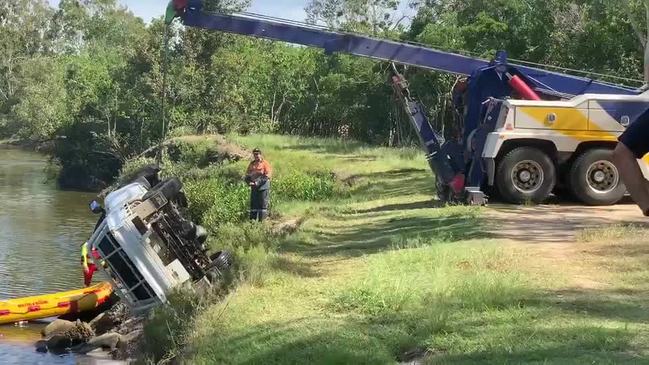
x=169 y=187
x=595 y=180
x=525 y=174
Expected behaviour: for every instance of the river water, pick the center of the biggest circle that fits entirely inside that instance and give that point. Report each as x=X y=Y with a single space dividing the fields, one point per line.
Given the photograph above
x=41 y=230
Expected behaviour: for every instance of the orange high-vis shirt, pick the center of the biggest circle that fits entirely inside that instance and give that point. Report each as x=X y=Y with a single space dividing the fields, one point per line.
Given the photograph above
x=258 y=168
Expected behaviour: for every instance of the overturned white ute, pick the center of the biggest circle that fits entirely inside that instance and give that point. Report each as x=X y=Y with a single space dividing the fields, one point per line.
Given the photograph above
x=149 y=246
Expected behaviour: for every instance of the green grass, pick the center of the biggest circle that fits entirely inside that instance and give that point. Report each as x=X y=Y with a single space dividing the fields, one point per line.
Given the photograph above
x=378 y=273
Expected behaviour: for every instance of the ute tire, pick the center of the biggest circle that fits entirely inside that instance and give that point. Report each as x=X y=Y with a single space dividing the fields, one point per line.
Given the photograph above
x=221 y=260
x=147 y=173
x=170 y=188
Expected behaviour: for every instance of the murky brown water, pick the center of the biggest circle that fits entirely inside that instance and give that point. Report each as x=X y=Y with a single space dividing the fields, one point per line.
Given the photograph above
x=41 y=229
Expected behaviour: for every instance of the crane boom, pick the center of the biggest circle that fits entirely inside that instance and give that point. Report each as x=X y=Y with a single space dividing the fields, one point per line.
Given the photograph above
x=543 y=81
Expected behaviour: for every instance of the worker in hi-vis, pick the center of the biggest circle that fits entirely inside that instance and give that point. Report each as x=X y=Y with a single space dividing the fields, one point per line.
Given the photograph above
x=258 y=178
x=88 y=257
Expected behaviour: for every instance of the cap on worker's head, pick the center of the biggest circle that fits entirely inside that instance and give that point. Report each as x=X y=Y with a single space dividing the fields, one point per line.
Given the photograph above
x=256 y=150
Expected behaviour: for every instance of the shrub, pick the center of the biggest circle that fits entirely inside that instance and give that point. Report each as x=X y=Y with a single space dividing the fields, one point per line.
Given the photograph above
x=182 y=130
x=194 y=154
x=168 y=326
x=253 y=264
x=218 y=196
x=244 y=234
x=253 y=245
x=216 y=201
x=300 y=185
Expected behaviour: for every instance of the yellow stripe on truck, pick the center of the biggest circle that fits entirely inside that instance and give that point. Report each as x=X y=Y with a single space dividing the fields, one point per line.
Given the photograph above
x=565 y=118
x=570 y=122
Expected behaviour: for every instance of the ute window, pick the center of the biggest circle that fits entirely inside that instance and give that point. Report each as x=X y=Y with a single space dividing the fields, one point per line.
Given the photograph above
x=122 y=266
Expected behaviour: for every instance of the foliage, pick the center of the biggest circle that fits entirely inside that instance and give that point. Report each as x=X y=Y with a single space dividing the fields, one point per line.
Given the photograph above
x=41 y=101
x=215 y=201
x=308 y=186
x=167 y=328
x=371 y=16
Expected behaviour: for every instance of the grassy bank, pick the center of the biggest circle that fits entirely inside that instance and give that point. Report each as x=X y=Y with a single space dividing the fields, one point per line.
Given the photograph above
x=371 y=271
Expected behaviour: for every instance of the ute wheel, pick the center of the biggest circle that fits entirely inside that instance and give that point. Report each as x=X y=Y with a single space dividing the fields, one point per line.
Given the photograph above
x=595 y=180
x=201 y=234
x=147 y=173
x=525 y=174
x=170 y=188
x=221 y=260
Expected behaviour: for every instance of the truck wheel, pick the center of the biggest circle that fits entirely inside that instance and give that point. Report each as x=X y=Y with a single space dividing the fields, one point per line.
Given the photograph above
x=169 y=187
x=525 y=174
x=595 y=180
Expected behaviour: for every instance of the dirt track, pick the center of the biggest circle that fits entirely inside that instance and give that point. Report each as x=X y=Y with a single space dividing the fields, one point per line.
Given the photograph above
x=556 y=223
x=549 y=235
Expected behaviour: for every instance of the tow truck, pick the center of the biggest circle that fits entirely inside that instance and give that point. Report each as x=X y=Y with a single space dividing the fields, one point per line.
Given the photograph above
x=526 y=130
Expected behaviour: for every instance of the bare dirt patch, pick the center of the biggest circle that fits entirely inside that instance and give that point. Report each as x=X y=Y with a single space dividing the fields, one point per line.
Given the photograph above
x=223 y=148
x=551 y=235
x=546 y=224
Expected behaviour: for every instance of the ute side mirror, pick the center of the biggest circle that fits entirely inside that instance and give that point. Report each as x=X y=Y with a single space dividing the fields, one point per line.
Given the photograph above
x=95 y=207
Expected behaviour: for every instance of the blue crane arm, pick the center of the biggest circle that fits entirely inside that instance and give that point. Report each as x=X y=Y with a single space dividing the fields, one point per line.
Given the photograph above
x=543 y=81
x=335 y=42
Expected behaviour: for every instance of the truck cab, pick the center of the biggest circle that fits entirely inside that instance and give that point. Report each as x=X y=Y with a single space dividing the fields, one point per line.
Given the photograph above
x=150 y=247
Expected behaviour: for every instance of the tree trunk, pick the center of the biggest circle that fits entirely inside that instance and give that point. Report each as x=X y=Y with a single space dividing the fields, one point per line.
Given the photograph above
x=642 y=33
x=646 y=63
x=272 y=107
x=646 y=42
x=278 y=111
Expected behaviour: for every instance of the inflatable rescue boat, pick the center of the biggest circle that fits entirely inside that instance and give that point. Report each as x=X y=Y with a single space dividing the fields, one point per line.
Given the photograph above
x=53 y=305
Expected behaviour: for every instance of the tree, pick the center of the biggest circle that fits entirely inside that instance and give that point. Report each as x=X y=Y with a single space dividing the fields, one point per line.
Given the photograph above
x=372 y=16
x=638 y=13
x=23 y=34
x=41 y=107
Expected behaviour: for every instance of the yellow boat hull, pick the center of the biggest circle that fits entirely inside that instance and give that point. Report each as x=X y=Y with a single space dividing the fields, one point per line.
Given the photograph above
x=52 y=305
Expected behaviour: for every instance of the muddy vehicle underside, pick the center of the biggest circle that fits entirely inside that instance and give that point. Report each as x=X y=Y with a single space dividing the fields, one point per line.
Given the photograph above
x=149 y=244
